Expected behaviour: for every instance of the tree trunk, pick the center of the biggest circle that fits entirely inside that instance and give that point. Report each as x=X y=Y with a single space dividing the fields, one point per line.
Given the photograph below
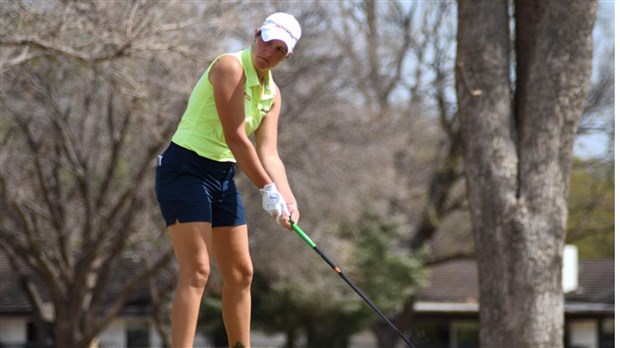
x=323 y=336
x=291 y=338
x=518 y=157
x=385 y=334
x=386 y=338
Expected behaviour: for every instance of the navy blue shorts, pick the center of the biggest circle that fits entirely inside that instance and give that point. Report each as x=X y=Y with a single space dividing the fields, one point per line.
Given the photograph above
x=193 y=188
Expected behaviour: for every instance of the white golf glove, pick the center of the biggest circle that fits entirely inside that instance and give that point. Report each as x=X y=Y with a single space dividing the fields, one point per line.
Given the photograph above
x=273 y=202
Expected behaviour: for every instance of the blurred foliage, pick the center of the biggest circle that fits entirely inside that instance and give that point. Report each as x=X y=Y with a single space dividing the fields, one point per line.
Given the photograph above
x=210 y=322
x=388 y=273
x=591 y=208
x=327 y=310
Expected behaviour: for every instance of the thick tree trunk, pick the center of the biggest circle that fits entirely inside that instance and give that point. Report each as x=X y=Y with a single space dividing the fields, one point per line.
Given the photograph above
x=555 y=81
x=490 y=153
x=518 y=156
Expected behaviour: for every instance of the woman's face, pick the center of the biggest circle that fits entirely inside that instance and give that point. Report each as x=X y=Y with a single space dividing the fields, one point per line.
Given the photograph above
x=267 y=55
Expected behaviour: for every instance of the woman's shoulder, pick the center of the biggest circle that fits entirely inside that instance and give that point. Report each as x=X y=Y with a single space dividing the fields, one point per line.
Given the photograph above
x=226 y=66
x=227 y=61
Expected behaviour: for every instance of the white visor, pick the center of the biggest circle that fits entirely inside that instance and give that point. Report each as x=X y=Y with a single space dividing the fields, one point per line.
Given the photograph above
x=281 y=26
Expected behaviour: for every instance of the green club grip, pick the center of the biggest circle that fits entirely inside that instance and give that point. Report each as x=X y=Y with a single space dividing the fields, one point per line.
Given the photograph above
x=302 y=235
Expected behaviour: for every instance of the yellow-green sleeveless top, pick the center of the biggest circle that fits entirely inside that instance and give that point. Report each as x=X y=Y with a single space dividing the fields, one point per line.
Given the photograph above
x=200 y=129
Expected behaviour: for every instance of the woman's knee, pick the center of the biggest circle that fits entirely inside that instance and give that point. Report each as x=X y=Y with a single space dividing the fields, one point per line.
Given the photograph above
x=241 y=276
x=195 y=275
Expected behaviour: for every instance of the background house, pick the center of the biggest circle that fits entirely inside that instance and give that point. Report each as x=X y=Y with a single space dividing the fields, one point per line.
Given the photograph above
x=447 y=309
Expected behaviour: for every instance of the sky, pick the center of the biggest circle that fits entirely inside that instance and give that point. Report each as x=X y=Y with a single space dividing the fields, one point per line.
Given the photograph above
x=595 y=145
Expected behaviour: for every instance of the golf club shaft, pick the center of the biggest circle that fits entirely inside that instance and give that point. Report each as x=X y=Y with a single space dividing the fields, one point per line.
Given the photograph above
x=313 y=245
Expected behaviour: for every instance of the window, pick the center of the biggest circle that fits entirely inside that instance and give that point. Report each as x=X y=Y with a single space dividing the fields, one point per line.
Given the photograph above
x=431 y=333
x=607 y=338
x=446 y=333
x=466 y=334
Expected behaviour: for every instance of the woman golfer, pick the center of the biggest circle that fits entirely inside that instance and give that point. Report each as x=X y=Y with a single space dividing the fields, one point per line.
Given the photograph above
x=235 y=97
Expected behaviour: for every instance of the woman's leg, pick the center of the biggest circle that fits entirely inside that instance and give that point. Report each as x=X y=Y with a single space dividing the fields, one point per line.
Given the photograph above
x=191 y=243
x=232 y=254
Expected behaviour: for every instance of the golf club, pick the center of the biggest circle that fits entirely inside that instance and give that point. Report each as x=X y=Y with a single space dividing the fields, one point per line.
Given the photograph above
x=313 y=245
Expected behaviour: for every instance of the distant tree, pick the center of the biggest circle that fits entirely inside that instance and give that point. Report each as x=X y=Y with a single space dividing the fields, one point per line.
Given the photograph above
x=518 y=149
x=591 y=206
x=591 y=222
x=90 y=92
x=386 y=272
x=402 y=63
x=314 y=304
x=389 y=273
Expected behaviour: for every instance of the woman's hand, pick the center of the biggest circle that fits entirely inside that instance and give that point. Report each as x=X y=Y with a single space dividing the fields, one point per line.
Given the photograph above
x=293 y=216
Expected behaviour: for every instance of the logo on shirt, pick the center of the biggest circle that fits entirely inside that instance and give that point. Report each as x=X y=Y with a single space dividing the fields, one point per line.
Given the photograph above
x=247 y=96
